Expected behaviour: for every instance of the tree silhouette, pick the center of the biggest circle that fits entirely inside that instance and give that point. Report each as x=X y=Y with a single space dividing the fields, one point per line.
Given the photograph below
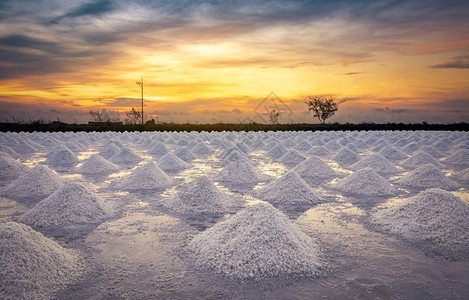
x=323 y=107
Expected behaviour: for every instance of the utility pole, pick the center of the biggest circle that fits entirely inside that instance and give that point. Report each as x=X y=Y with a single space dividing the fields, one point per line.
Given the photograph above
x=140 y=84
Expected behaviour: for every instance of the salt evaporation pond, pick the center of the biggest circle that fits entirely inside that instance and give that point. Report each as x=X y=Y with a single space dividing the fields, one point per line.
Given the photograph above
x=187 y=215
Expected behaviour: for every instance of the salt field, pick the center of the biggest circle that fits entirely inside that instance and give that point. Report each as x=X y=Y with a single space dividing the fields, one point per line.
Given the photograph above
x=234 y=215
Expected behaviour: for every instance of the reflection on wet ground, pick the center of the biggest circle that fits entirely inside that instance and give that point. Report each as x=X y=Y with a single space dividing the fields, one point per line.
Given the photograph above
x=139 y=254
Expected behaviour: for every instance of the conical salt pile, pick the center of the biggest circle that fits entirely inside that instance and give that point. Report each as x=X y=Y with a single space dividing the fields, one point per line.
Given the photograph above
x=378 y=163
x=462 y=175
x=147 y=176
x=159 y=149
x=202 y=149
x=292 y=158
x=71 y=208
x=38 y=182
x=170 y=162
x=411 y=148
x=61 y=156
x=319 y=151
x=96 y=164
x=420 y=158
x=277 y=152
x=432 y=151
x=365 y=182
x=10 y=168
x=240 y=171
x=315 y=169
x=435 y=217
x=109 y=150
x=125 y=156
x=303 y=146
x=427 y=176
x=24 y=148
x=289 y=189
x=459 y=158
x=185 y=154
x=258 y=242
x=199 y=196
x=346 y=156
x=392 y=153
x=33 y=266
x=234 y=156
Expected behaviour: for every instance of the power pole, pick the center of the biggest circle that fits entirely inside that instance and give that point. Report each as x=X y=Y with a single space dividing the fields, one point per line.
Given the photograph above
x=140 y=84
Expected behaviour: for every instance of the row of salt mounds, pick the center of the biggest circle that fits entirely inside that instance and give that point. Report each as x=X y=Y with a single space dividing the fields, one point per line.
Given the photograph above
x=459 y=158
x=433 y=216
x=96 y=164
x=240 y=172
x=10 y=167
x=24 y=148
x=33 y=266
x=427 y=176
x=199 y=196
x=37 y=182
x=61 y=156
x=365 y=182
x=258 y=242
x=378 y=163
x=72 y=208
x=125 y=156
x=289 y=189
x=145 y=177
x=172 y=163
x=315 y=170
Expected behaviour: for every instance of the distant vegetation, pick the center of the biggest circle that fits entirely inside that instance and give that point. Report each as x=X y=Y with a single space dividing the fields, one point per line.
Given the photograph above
x=152 y=126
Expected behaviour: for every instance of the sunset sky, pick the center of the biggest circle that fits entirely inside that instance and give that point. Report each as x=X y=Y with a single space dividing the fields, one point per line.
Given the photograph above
x=218 y=61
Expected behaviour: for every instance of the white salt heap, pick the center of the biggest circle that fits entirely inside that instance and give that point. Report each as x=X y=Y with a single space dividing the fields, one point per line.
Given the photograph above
x=276 y=152
x=202 y=149
x=392 y=153
x=365 y=182
x=170 y=162
x=159 y=149
x=315 y=169
x=459 y=158
x=234 y=156
x=289 y=189
x=241 y=172
x=346 y=156
x=10 y=168
x=147 y=176
x=420 y=158
x=292 y=158
x=319 y=151
x=434 y=216
x=61 y=156
x=258 y=242
x=462 y=175
x=199 y=196
x=378 y=163
x=96 y=164
x=38 y=182
x=33 y=266
x=126 y=156
x=185 y=154
x=24 y=148
x=71 y=208
x=427 y=176
x=109 y=150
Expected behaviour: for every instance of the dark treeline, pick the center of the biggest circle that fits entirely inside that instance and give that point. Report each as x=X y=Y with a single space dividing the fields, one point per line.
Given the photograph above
x=59 y=126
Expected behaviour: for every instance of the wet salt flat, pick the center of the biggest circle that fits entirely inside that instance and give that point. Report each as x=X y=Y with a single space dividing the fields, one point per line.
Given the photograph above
x=137 y=238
